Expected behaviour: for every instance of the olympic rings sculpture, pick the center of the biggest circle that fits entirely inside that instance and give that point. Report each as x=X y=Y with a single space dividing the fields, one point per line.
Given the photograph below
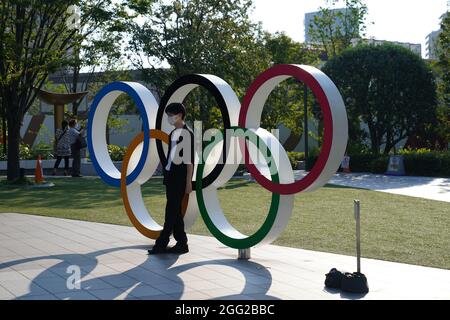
x=149 y=148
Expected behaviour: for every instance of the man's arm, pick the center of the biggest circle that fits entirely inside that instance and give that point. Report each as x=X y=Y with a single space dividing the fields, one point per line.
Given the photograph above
x=190 y=170
x=190 y=166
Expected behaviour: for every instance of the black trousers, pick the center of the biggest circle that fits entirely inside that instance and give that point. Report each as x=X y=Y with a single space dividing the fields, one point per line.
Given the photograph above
x=76 y=163
x=58 y=161
x=173 y=223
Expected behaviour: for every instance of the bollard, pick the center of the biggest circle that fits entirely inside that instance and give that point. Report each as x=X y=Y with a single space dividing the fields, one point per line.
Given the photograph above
x=358 y=235
x=356 y=282
x=244 y=254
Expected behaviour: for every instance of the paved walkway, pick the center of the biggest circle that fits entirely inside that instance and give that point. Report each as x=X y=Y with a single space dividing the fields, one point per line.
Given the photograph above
x=36 y=253
x=421 y=187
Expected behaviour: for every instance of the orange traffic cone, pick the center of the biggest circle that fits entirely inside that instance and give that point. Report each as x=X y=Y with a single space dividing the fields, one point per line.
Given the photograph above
x=38 y=173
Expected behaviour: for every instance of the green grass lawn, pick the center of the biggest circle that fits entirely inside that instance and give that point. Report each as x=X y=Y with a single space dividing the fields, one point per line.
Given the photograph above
x=394 y=228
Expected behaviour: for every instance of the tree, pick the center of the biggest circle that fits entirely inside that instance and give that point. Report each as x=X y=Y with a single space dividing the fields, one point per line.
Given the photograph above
x=334 y=30
x=37 y=38
x=285 y=103
x=443 y=67
x=387 y=87
x=199 y=36
x=100 y=53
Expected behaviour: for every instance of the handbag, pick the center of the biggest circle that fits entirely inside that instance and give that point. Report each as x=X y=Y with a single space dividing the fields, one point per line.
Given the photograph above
x=80 y=143
x=334 y=279
x=354 y=282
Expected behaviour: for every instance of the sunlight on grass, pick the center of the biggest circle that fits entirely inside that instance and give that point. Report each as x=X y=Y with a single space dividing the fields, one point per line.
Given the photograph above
x=394 y=227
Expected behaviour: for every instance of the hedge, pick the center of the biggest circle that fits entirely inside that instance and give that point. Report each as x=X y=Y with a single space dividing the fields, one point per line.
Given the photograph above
x=431 y=165
x=116 y=153
x=295 y=157
x=417 y=163
x=27 y=153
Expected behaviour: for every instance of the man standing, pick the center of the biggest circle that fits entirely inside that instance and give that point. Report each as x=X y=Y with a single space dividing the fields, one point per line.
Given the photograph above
x=74 y=136
x=178 y=181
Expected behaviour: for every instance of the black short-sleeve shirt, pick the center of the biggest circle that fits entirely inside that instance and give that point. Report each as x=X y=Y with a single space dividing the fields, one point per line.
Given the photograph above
x=177 y=172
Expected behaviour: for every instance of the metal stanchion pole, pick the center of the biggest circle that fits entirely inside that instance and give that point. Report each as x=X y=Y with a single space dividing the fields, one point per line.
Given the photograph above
x=244 y=254
x=306 y=130
x=358 y=234
x=355 y=282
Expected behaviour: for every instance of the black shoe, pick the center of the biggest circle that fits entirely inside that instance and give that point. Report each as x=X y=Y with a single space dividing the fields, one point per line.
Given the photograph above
x=157 y=250
x=179 y=249
x=77 y=176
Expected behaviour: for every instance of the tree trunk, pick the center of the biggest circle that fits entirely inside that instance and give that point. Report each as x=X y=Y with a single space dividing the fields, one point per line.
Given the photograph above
x=4 y=126
x=388 y=145
x=374 y=141
x=13 y=167
x=75 y=106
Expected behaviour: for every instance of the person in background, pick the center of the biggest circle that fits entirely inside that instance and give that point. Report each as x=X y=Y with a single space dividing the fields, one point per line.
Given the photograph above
x=62 y=147
x=178 y=181
x=74 y=136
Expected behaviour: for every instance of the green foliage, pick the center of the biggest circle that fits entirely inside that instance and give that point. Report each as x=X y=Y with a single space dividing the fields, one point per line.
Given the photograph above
x=43 y=149
x=443 y=48
x=217 y=37
x=21 y=181
x=295 y=157
x=313 y=155
x=27 y=153
x=423 y=165
x=116 y=152
x=387 y=87
x=420 y=162
x=443 y=73
x=35 y=39
x=335 y=37
x=425 y=162
x=373 y=163
x=201 y=36
x=420 y=151
x=357 y=147
x=284 y=50
x=379 y=164
x=241 y=170
x=285 y=103
x=99 y=52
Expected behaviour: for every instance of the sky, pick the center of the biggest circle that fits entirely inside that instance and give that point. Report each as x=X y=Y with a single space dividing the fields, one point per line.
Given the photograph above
x=394 y=20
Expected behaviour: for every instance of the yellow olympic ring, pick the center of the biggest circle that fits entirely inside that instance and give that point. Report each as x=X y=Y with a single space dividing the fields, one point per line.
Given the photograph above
x=148 y=227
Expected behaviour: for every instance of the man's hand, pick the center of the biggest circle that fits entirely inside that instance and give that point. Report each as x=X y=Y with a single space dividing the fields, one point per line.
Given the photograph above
x=188 y=187
x=190 y=170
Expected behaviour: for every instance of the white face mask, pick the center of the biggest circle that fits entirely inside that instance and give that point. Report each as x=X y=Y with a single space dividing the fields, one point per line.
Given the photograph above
x=172 y=120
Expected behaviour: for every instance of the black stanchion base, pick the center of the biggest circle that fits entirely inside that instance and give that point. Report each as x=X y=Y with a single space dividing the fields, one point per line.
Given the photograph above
x=354 y=282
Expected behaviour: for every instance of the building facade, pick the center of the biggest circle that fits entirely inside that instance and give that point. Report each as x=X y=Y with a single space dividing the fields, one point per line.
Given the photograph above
x=414 y=47
x=432 y=41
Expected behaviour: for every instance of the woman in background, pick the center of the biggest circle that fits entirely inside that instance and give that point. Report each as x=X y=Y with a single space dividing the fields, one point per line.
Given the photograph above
x=62 y=147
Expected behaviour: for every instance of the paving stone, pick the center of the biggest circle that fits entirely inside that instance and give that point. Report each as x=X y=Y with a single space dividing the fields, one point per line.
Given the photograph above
x=35 y=267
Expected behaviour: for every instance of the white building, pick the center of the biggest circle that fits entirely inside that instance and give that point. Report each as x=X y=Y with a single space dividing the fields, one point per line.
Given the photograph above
x=432 y=41
x=414 y=47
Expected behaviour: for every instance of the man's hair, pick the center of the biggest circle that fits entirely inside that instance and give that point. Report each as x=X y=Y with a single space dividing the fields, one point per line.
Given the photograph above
x=176 y=108
x=72 y=122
